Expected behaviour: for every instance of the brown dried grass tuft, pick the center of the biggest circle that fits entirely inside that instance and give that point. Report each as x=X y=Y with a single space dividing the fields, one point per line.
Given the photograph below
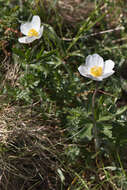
x=29 y=151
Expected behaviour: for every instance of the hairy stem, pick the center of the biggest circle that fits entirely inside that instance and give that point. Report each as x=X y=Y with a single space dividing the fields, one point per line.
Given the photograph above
x=95 y=131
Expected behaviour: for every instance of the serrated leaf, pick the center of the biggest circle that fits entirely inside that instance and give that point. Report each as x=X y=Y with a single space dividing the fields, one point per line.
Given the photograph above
x=87 y=132
x=107 y=131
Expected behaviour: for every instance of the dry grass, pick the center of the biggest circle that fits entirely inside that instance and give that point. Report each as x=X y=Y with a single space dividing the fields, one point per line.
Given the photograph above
x=29 y=150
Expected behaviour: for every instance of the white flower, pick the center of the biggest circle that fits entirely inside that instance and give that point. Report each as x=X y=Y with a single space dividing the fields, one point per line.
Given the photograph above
x=95 y=68
x=32 y=30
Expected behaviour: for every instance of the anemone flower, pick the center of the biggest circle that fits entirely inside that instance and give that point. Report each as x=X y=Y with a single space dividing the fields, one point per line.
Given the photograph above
x=32 y=30
x=95 y=68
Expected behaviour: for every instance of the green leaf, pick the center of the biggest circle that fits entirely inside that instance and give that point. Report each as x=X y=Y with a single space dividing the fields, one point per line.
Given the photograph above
x=107 y=130
x=121 y=110
x=76 y=53
x=105 y=118
x=87 y=132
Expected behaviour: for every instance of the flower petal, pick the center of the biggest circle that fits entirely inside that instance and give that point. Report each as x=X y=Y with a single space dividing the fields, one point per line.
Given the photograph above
x=108 y=66
x=24 y=28
x=83 y=70
x=106 y=75
x=89 y=61
x=26 y=39
x=40 y=32
x=36 y=22
x=94 y=60
x=95 y=78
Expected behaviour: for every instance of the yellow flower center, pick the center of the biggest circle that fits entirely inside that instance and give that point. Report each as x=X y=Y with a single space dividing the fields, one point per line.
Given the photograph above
x=32 y=32
x=96 y=71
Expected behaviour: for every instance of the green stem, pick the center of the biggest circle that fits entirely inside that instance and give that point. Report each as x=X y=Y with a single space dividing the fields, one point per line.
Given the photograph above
x=95 y=131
